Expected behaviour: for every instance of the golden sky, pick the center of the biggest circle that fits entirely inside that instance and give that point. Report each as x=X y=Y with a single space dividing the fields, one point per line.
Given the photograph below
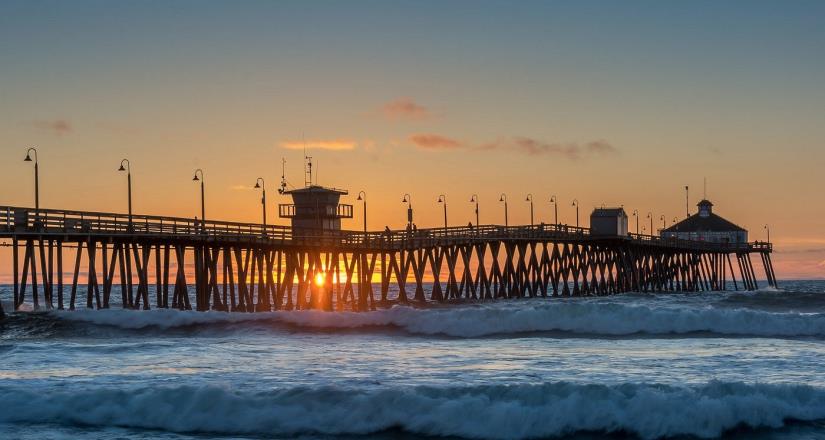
x=607 y=105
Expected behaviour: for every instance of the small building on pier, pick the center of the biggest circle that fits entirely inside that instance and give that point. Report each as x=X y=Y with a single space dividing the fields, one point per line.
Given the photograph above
x=315 y=208
x=707 y=226
x=608 y=222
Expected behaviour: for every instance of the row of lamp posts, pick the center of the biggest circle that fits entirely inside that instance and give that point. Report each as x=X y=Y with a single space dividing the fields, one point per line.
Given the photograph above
x=474 y=199
x=125 y=165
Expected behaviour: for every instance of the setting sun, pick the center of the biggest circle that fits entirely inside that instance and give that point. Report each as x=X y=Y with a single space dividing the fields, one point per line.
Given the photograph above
x=366 y=219
x=319 y=279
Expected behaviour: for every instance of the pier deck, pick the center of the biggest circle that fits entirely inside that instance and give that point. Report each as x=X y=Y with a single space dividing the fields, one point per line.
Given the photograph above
x=249 y=267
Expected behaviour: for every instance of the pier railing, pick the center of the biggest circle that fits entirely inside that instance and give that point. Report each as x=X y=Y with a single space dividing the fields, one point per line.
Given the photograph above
x=20 y=220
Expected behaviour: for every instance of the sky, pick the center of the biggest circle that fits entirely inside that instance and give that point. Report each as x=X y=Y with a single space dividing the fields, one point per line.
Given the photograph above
x=608 y=103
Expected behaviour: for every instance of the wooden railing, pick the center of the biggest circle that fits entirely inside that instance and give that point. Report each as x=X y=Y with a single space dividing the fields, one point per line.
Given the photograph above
x=18 y=220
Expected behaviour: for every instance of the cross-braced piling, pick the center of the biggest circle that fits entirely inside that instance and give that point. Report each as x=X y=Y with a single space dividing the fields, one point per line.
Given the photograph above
x=252 y=268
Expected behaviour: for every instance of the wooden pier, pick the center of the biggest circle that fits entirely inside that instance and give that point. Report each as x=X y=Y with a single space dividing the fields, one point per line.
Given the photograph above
x=247 y=267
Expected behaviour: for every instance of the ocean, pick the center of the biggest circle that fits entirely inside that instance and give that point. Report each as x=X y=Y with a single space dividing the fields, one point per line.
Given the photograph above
x=733 y=365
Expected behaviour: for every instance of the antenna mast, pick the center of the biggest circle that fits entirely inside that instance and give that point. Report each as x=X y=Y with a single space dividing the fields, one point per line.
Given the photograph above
x=283 y=176
x=307 y=167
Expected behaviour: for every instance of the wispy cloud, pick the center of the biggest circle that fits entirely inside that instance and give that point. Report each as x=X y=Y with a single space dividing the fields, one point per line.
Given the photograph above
x=600 y=147
x=534 y=147
x=58 y=127
x=404 y=109
x=334 y=145
x=800 y=251
x=519 y=144
x=435 y=142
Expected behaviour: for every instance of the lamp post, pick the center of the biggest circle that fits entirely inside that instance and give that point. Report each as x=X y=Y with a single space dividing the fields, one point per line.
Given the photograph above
x=576 y=204
x=128 y=170
x=474 y=199
x=555 y=203
x=664 y=221
x=530 y=199
x=636 y=214
x=203 y=202
x=503 y=198
x=362 y=196
x=443 y=199
x=261 y=184
x=408 y=200
x=36 y=181
x=768 y=229
x=650 y=216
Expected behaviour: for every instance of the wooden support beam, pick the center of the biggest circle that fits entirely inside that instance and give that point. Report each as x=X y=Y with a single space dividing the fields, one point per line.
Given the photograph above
x=104 y=260
x=108 y=280
x=73 y=294
x=59 y=274
x=33 y=267
x=166 y=260
x=44 y=274
x=130 y=293
x=120 y=252
x=16 y=271
x=158 y=278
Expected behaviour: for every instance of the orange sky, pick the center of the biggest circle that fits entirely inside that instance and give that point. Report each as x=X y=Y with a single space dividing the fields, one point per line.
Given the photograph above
x=425 y=101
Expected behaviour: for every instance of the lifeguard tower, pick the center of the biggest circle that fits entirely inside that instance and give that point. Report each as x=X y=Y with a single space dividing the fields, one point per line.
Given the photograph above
x=315 y=210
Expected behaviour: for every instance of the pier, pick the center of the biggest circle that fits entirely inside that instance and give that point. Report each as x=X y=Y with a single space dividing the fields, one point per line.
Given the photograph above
x=248 y=267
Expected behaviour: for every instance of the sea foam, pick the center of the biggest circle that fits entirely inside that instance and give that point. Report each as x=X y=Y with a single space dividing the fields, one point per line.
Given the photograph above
x=495 y=411
x=513 y=317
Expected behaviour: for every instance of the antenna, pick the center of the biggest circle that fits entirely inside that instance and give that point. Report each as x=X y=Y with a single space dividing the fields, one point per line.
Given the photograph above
x=283 y=176
x=308 y=170
x=705 y=190
x=307 y=165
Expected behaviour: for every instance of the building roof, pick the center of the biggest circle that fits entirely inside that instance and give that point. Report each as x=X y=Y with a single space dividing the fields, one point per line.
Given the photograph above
x=710 y=223
x=608 y=212
x=316 y=189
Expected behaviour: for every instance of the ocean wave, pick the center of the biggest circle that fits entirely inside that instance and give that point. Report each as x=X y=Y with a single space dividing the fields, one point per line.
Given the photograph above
x=483 y=412
x=506 y=318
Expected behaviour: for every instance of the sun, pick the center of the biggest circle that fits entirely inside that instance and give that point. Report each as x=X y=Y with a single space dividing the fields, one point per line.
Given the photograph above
x=319 y=279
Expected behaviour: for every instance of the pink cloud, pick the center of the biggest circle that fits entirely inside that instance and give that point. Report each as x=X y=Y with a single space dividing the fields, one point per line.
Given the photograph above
x=519 y=144
x=534 y=147
x=404 y=109
x=57 y=127
x=435 y=142
x=601 y=147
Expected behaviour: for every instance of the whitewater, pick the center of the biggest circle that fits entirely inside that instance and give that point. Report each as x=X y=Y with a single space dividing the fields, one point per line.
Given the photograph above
x=706 y=365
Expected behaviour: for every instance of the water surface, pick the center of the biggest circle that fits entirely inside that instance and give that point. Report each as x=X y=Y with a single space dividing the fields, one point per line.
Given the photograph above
x=710 y=365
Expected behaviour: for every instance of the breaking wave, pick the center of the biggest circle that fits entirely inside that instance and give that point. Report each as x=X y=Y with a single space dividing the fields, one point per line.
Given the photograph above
x=495 y=411
x=506 y=318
